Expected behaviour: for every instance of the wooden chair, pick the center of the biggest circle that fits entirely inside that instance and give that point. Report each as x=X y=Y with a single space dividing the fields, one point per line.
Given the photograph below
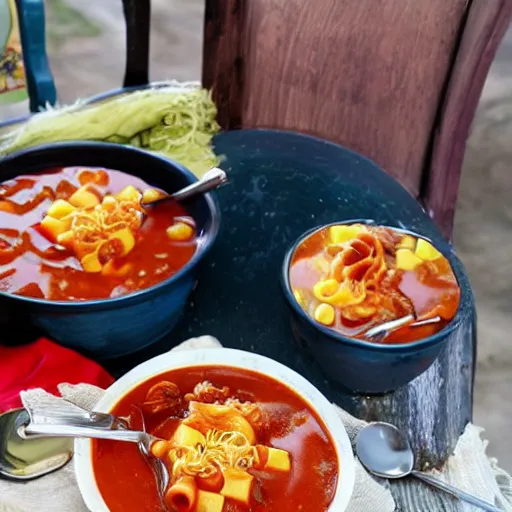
x=397 y=80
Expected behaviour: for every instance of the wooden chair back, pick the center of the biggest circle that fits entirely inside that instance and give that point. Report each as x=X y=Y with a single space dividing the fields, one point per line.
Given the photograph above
x=396 y=80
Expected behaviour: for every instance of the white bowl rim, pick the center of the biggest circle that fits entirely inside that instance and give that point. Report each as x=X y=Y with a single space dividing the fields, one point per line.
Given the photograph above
x=234 y=359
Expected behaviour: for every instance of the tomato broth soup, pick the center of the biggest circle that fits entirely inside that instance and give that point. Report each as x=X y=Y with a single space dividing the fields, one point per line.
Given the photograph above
x=354 y=277
x=75 y=234
x=235 y=441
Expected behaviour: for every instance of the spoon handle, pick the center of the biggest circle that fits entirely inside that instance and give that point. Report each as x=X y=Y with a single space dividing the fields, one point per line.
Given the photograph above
x=464 y=496
x=212 y=179
x=56 y=430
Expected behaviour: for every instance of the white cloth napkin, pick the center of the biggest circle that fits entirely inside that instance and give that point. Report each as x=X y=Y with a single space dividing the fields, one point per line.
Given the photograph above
x=468 y=468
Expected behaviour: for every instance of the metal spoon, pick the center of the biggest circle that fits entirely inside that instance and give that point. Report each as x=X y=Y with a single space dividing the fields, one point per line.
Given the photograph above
x=64 y=419
x=22 y=459
x=212 y=179
x=385 y=452
x=382 y=331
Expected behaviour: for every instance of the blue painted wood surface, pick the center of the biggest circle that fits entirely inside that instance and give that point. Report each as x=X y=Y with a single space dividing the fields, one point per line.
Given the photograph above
x=281 y=185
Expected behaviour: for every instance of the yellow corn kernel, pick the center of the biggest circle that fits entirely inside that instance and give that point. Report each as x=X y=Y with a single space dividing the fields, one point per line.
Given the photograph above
x=60 y=208
x=84 y=198
x=209 y=502
x=278 y=460
x=152 y=194
x=109 y=203
x=129 y=193
x=54 y=227
x=125 y=236
x=91 y=263
x=66 y=239
x=426 y=251
x=180 y=232
x=324 y=313
x=344 y=233
x=406 y=259
x=407 y=242
x=237 y=485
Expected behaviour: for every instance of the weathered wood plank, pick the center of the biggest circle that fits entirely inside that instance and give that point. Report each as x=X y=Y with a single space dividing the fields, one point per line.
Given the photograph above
x=367 y=74
x=486 y=24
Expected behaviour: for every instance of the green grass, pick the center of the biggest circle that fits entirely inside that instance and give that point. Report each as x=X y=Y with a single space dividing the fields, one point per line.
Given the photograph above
x=65 y=22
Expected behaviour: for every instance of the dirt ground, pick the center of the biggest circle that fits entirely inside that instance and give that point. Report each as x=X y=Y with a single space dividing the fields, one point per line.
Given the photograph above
x=86 y=48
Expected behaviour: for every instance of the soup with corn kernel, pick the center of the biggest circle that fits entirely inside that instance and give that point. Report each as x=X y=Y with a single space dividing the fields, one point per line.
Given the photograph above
x=76 y=234
x=233 y=441
x=354 y=277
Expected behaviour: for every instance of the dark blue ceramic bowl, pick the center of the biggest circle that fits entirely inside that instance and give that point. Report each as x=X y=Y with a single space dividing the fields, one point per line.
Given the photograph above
x=110 y=328
x=357 y=365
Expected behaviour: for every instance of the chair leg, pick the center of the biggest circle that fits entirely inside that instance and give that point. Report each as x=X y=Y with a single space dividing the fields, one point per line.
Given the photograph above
x=40 y=84
x=137 y=14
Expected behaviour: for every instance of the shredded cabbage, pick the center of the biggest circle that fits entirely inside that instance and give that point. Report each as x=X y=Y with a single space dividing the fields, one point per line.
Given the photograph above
x=176 y=120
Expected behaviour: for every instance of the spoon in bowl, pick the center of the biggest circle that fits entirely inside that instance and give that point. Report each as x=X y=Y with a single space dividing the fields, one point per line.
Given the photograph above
x=212 y=179
x=385 y=452
x=59 y=418
x=382 y=331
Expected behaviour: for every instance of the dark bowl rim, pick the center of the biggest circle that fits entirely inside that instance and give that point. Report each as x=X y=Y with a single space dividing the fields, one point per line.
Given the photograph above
x=139 y=295
x=439 y=336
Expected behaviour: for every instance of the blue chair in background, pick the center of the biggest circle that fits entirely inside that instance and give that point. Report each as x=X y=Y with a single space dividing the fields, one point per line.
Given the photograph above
x=40 y=83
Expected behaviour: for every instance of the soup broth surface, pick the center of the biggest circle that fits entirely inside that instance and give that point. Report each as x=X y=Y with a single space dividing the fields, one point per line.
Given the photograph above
x=38 y=258
x=279 y=421
x=351 y=278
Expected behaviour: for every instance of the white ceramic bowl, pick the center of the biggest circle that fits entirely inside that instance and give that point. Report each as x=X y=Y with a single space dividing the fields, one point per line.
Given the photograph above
x=234 y=359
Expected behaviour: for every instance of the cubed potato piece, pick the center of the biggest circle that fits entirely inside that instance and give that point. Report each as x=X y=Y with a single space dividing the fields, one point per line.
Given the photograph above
x=91 y=263
x=60 y=208
x=180 y=232
x=406 y=259
x=152 y=194
x=66 y=239
x=109 y=203
x=125 y=236
x=209 y=502
x=237 y=485
x=426 y=251
x=188 y=436
x=84 y=198
x=407 y=242
x=129 y=193
x=53 y=227
x=278 y=460
x=342 y=234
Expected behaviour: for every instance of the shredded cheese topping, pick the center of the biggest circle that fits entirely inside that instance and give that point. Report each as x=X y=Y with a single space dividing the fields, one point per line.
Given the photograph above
x=222 y=450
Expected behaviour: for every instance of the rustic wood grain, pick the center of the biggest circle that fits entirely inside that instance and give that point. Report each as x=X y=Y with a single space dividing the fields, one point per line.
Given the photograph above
x=486 y=25
x=367 y=74
x=398 y=80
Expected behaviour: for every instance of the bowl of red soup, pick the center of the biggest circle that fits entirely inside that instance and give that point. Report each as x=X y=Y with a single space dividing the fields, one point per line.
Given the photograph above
x=239 y=433
x=345 y=280
x=82 y=260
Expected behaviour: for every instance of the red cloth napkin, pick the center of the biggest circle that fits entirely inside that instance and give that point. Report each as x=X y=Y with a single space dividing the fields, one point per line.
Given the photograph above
x=44 y=364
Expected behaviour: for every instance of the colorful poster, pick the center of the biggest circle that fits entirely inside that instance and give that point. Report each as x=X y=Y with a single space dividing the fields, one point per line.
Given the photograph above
x=12 y=72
